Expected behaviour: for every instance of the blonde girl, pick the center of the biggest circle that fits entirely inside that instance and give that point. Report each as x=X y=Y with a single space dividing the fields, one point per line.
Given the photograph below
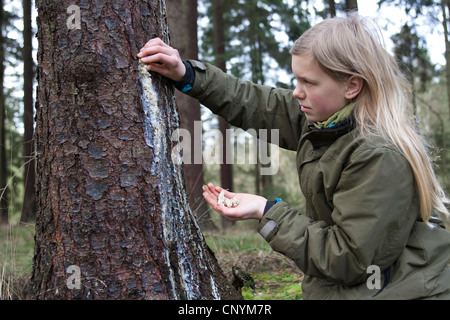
x=383 y=106
x=372 y=228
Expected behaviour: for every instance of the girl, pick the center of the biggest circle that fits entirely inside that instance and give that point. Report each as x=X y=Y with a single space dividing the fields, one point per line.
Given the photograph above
x=372 y=227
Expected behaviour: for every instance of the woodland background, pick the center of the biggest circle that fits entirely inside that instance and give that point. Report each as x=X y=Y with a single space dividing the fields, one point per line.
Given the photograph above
x=251 y=40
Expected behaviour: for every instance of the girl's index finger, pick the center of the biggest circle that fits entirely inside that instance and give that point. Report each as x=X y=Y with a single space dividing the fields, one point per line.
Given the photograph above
x=214 y=190
x=155 y=41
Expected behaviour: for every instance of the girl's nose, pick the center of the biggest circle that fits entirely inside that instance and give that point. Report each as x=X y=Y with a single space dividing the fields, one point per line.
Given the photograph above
x=299 y=93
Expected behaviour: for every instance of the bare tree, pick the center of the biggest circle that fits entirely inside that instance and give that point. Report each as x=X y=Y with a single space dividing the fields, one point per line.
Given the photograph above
x=29 y=202
x=351 y=5
x=182 y=15
x=3 y=158
x=445 y=6
x=226 y=169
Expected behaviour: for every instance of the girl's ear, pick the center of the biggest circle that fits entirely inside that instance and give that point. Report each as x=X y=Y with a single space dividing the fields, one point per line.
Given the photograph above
x=354 y=87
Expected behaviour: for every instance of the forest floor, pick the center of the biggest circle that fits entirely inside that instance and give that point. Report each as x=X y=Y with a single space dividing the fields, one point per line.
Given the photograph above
x=275 y=277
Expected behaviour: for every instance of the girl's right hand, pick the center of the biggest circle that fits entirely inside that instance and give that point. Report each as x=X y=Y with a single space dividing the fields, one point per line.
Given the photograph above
x=250 y=206
x=163 y=59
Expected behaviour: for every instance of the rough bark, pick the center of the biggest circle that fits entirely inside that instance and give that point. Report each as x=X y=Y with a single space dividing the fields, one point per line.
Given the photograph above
x=3 y=159
x=29 y=201
x=110 y=200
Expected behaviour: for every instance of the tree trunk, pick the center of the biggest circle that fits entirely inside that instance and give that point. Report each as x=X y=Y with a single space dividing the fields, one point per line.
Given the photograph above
x=182 y=17
x=332 y=8
x=226 y=169
x=445 y=6
x=351 y=5
x=29 y=202
x=3 y=161
x=113 y=220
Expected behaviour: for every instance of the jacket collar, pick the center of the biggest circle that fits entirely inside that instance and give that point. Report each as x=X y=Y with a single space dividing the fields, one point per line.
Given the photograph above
x=326 y=136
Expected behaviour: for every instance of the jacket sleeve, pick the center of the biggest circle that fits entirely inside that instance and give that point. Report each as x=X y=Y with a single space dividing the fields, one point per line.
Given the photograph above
x=375 y=207
x=247 y=105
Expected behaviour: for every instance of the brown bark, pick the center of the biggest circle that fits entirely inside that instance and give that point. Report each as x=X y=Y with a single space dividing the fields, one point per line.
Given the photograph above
x=351 y=5
x=3 y=158
x=110 y=201
x=29 y=202
x=332 y=8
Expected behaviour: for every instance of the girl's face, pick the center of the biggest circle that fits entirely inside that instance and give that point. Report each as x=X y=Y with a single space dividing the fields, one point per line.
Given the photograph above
x=319 y=95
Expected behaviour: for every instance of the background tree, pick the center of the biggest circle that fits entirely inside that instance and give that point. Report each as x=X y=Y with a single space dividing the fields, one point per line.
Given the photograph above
x=445 y=6
x=253 y=46
x=3 y=158
x=110 y=202
x=430 y=10
x=29 y=200
x=351 y=5
x=432 y=85
x=226 y=169
x=11 y=110
x=412 y=55
x=182 y=17
x=332 y=7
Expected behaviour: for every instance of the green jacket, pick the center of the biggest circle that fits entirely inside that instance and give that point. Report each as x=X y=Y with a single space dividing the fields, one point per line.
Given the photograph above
x=362 y=220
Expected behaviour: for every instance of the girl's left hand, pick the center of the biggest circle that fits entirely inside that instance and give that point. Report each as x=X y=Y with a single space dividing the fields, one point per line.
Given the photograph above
x=250 y=206
x=162 y=58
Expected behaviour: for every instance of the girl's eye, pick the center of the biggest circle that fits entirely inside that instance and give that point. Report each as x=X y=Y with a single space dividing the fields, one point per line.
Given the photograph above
x=306 y=82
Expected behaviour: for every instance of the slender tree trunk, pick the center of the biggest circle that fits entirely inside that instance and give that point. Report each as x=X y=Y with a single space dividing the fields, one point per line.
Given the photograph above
x=3 y=158
x=263 y=182
x=226 y=169
x=29 y=202
x=332 y=8
x=113 y=220
x=351 y=5
x=182 y=15
x=445 y=7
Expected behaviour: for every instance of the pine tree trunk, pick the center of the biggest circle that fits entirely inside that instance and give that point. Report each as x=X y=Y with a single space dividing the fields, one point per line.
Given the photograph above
x=445 y=6
x=182 y=15
x=3 y=159
x=351 y=5
x=113 y=220
x=29 y=202
x=226 y=169
x=332 y=8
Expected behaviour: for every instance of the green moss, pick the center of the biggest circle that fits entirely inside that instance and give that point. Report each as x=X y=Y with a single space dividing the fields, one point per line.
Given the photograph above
x=276 y=277
x=272 y=286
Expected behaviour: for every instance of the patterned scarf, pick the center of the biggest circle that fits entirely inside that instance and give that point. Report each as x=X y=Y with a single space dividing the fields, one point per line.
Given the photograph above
x=335 y=118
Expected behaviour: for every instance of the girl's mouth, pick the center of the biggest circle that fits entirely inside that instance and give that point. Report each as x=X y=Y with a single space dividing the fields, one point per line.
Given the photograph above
x=303 y=108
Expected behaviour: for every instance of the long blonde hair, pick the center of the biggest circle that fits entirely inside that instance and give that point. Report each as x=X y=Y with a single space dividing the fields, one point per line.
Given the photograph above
x=353 y=46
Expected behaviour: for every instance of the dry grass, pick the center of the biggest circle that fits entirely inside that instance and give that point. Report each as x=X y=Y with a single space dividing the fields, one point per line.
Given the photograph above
x=276 y=277
x=16 y=254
